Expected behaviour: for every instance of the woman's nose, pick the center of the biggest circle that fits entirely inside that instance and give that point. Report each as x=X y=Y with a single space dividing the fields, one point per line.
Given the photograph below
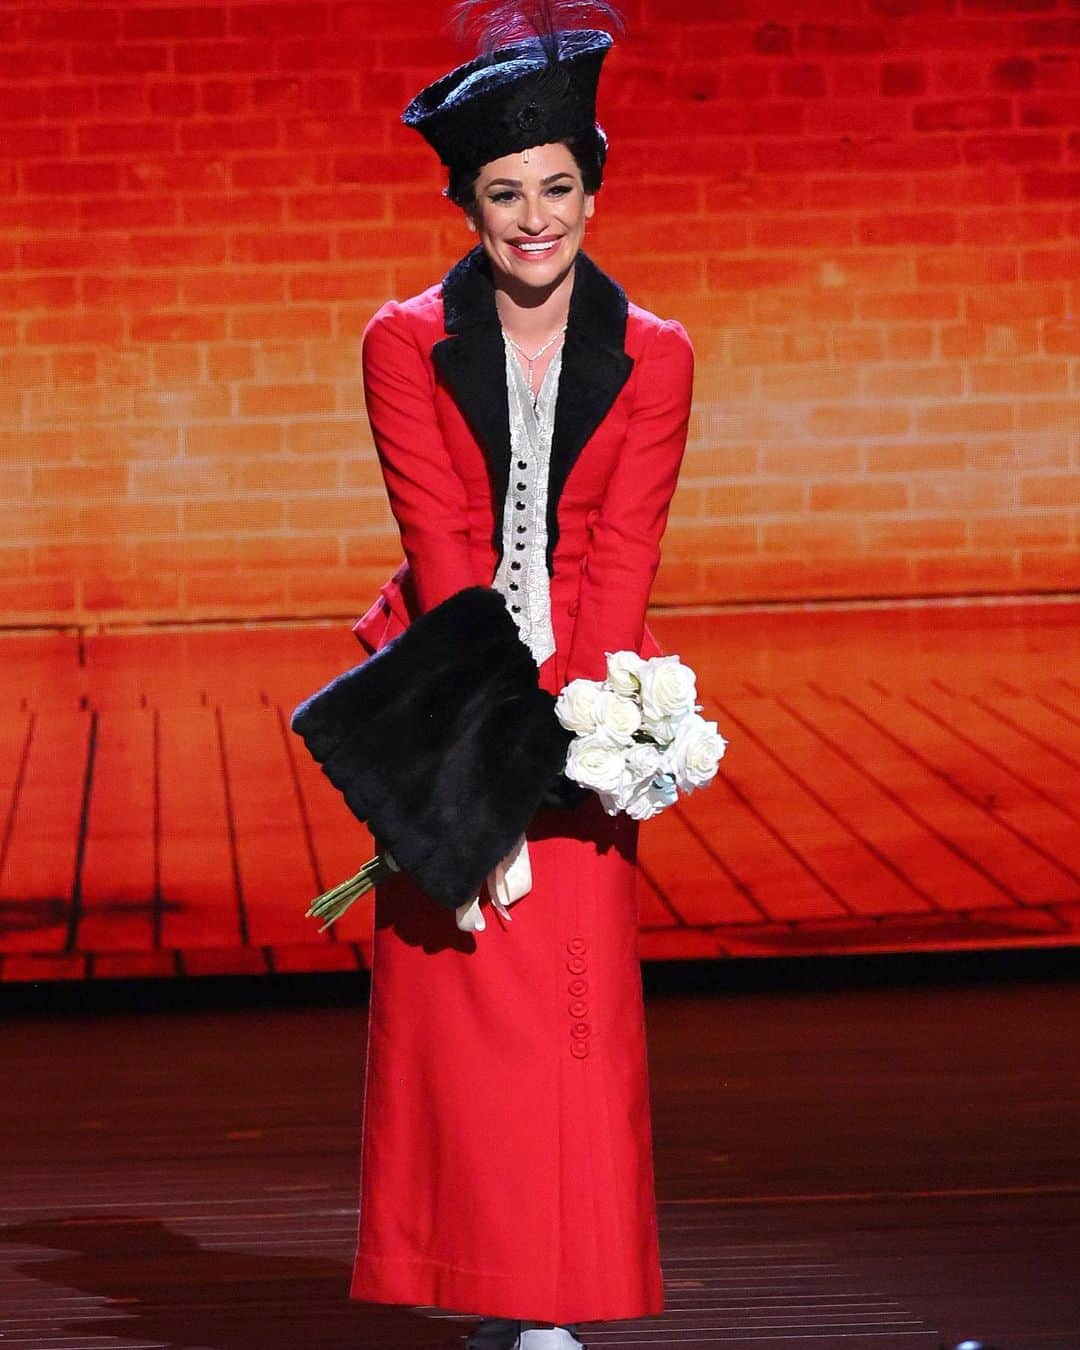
x=533 y=219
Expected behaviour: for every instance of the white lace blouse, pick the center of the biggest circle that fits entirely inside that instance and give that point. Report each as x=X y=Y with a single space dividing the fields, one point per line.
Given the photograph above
x=522 y=576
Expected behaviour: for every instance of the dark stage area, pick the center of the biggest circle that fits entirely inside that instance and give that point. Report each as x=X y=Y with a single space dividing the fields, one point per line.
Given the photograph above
x=865 y=1154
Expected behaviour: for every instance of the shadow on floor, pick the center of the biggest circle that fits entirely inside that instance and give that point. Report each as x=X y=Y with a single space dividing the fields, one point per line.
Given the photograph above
x=160 y=1286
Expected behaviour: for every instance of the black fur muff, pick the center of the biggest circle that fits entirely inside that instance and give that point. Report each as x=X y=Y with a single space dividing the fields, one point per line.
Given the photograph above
x=443 y=743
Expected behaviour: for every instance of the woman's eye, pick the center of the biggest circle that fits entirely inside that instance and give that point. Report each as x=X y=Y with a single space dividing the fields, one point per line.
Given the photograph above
x=559 y=190
x=502 y=198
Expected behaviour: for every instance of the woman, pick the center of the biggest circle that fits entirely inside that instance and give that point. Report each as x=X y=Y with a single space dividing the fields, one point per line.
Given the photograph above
x=530 y=423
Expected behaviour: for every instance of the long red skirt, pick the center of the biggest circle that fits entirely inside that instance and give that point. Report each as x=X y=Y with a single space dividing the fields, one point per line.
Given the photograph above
x=507 y=1154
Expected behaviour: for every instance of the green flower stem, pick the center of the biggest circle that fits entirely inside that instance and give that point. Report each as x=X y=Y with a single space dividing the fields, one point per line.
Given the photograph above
x=332 y=904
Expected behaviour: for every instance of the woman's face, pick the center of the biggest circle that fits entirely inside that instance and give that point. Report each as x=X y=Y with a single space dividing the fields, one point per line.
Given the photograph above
x=531 y=216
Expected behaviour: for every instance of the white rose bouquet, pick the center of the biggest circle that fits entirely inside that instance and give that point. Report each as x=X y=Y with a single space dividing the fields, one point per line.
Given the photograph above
x=639 y=738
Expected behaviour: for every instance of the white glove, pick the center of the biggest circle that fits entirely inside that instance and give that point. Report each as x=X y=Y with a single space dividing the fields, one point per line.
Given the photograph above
x=507 y=882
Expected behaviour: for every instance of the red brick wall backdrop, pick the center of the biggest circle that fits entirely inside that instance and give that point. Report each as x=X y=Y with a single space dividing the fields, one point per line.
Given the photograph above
x=865 y=211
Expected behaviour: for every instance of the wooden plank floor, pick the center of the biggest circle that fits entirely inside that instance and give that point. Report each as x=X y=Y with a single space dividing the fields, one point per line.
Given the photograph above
x=899 y=778
x=872 y=1169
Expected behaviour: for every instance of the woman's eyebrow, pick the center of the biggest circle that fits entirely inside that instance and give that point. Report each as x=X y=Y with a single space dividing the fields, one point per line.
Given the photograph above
x=516 y=182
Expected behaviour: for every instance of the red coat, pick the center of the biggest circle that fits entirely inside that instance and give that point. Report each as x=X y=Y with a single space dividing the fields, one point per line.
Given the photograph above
x=507 y=1164
x=437 y=405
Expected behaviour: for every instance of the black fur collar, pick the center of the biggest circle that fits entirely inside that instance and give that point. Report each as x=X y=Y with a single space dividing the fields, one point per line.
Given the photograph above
x=595 y=367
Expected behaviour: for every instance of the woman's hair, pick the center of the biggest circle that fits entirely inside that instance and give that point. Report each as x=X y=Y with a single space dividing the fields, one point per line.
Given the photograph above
x=589 y=151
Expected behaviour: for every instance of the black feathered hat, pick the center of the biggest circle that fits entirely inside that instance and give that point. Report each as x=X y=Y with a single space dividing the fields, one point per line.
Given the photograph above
x=534 y=81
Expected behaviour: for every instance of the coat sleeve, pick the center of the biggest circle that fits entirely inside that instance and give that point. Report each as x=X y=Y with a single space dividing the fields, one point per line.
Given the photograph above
x=624 y=548
x=427 y=496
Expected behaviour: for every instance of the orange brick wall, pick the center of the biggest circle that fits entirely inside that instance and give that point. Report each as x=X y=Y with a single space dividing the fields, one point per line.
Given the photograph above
x=866 y=212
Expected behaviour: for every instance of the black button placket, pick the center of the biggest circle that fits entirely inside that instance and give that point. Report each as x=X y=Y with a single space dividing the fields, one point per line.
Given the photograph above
x=528 y=462
x=521 y=485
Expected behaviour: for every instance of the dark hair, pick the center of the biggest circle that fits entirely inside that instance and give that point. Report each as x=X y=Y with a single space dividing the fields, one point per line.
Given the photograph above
x=589 y=151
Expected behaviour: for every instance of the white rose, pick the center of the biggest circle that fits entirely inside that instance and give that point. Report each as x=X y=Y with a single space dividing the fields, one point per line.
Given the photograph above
x=643 y=762
x=646 y=804
x=637 y=794
x=661 y=729
x=623 y=670
x=619 y=718
x=695 y=754
x=594 y=762
x=645 y=800
x=668 y=688
x=610 y=803
x=578 y=706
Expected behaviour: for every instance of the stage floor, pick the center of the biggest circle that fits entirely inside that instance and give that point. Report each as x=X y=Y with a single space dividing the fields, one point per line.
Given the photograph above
x=856 y=1169
x=899 y=778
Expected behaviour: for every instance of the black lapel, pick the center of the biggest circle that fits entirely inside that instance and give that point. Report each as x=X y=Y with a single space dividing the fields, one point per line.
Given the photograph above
x=595 y=367
x=472 y=361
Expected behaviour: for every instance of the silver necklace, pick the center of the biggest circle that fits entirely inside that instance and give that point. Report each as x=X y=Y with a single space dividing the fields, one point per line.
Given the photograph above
x=531 y=360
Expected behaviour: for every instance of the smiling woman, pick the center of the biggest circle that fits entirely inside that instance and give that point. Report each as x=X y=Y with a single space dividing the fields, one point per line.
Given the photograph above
x=530 y=423
x=531 y=228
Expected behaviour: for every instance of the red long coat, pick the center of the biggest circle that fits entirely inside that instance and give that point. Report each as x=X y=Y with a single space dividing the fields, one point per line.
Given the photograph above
x=507 y=1165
